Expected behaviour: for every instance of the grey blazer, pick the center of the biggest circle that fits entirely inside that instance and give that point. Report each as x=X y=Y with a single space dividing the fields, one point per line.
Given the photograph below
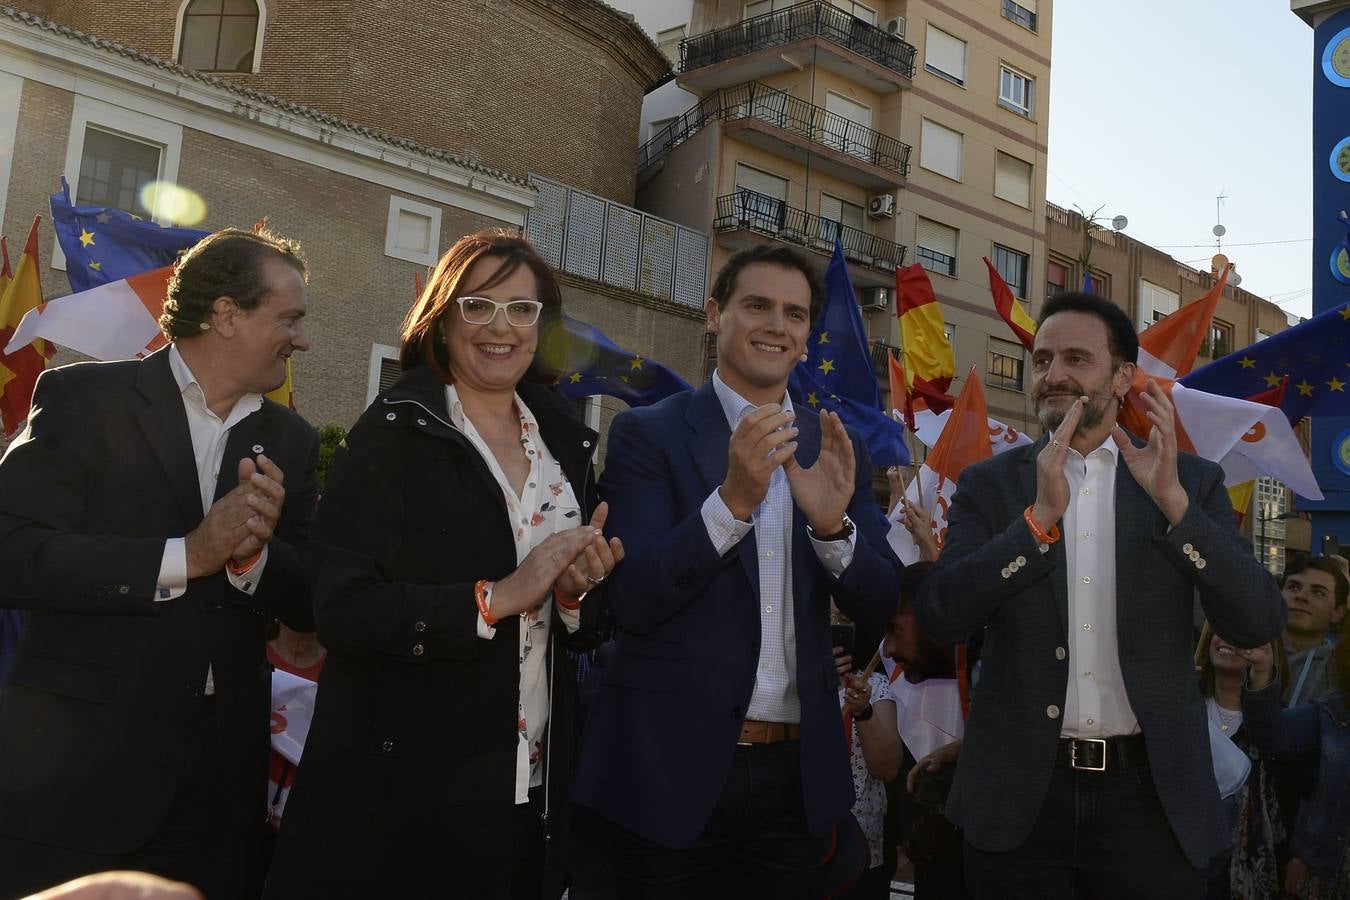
x=981 y=580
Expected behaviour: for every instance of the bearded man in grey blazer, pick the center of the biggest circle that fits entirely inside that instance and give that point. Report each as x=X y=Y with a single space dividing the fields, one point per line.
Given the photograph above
x=1086 y=765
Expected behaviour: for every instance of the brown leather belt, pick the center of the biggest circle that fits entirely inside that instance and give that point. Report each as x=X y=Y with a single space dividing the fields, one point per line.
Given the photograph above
x=753 y=732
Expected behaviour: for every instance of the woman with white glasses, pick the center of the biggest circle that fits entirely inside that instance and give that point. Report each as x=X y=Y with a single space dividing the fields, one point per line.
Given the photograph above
x=457 y=553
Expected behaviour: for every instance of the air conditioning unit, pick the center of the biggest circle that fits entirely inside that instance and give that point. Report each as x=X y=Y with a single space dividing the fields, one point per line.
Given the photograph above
x=876 y=298
x=882 y=206
x=895 y=26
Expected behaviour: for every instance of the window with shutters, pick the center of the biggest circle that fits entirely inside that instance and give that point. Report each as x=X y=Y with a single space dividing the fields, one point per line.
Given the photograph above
x=836 y=213
x=1023 y=13
x=220 y=35
x=1016 y=90
x=940 y=149
x=764 y=7
x=1056 y=278
x=857 y=10
x=945 y=55
x=384 y=370
x=1096 y=284
x=1154 y=303
x=847 y=126
x=935 y=245
x=761 y=198
x=1012 y=267
x=1012 y=180
x=1004 y=367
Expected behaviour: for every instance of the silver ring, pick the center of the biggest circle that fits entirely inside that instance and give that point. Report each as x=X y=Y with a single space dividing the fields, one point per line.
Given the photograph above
x=592 y=581
x=1054 y=443
x=555 y=556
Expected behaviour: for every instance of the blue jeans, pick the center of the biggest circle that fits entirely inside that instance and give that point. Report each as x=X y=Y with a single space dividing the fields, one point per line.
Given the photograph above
x=756 y=843
x=1098 y=835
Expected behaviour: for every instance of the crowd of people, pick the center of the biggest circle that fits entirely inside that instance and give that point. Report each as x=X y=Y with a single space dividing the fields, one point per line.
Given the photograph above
x=1137 y=708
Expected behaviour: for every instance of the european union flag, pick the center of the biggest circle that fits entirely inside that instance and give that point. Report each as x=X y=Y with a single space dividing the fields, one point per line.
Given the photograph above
x=1314 y=354
x=838 y=374
x=104 y=244
x=593 y=364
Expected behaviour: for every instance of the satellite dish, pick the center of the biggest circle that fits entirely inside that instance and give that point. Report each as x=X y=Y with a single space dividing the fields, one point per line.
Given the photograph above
x=1220 y=231
x=1218 y=263
x=1119 y=222
x=1235 y=280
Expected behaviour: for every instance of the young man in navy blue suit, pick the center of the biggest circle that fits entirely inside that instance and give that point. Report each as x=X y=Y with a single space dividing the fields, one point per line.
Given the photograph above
x=714 y=744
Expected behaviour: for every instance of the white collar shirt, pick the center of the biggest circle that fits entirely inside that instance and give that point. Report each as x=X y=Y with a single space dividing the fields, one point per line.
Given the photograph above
x=1095 y=704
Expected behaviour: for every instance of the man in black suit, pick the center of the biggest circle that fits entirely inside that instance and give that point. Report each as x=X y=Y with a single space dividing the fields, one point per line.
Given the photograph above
x=145 y=527
x=1086 y=762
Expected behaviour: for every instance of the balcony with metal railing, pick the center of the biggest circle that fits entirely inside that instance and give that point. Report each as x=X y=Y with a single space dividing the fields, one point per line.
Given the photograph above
x=763 y=45
x=791 y=127
x=746 y=218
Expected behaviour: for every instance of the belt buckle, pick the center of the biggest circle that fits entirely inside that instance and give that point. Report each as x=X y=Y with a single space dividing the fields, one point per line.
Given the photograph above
x=1073 y=754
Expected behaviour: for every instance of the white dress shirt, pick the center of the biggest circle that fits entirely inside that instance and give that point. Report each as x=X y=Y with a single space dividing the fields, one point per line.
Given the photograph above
x=1095 y=705
x=775 y=697
x=546 y=505
x=209 y=435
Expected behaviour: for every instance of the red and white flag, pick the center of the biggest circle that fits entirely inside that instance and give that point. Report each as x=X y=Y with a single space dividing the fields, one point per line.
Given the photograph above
x=118 y=320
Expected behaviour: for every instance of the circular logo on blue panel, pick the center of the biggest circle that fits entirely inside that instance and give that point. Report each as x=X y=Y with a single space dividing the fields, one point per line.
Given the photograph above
x=1336 y=59
x=1340 y=451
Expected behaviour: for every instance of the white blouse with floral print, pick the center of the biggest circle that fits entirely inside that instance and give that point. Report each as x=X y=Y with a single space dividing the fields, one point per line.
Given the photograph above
x=546 y=506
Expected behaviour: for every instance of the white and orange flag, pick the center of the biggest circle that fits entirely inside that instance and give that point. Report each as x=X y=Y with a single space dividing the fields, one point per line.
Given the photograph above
x=117 y=320
x=964 y=440
x=1169 y=347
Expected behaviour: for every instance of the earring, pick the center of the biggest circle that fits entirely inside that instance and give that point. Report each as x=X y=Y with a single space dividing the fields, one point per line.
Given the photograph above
x=803 y=357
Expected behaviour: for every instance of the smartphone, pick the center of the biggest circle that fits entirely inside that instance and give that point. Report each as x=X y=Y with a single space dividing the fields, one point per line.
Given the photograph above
x=1330 y=545
x=843 y=634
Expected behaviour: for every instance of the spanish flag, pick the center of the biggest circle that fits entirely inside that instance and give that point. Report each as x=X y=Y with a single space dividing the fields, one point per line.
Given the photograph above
x=1008 y=307
x=926 y=354
x=19 y=370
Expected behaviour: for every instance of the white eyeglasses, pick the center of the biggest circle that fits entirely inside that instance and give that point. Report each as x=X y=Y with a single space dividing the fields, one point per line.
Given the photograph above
x=481 y=311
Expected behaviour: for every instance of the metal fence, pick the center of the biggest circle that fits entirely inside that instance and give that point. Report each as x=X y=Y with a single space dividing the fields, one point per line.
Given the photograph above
x=800 y=117
x=595 y=238
x=748 y=210
x=815 y=19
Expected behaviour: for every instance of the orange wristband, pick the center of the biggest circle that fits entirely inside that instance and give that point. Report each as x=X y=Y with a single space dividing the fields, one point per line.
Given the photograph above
x=480 y=596
x=562 y=601
x=1040 y=536
x=247 y=566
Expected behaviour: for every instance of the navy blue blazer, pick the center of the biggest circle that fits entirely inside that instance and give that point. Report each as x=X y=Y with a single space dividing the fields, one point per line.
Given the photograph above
x=658 y=741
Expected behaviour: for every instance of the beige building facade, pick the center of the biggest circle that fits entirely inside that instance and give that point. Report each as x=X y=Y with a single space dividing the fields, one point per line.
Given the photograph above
x=912 y=131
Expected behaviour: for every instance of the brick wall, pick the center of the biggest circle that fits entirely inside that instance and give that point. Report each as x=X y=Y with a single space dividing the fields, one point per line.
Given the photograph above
x=499 y=81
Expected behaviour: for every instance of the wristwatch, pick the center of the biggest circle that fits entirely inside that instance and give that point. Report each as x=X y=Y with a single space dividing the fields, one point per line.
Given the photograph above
x=864 y=715
x=843 y=534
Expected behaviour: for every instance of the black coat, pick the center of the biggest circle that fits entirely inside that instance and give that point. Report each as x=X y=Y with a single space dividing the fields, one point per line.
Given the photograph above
x=99 y=712
x=408 y=776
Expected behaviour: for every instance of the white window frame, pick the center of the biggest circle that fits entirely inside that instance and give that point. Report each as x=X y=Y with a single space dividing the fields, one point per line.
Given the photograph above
x=399 y=205
x=11 y=93
x=1148 y=291
x=378 y=353
x=123 y=122
x=257 y=38
x=1008 y=101
x=925 y=160
x=953 y=77
x=1031 y=11
x=852 y=6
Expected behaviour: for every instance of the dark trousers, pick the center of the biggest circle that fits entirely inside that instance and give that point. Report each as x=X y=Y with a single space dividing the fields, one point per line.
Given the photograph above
x=756 y=844
x=1098 y=835
x=527 y=848
x=198 y=842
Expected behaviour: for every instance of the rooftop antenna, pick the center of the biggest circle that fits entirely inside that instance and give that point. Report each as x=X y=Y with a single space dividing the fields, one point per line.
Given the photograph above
x=1219 y=230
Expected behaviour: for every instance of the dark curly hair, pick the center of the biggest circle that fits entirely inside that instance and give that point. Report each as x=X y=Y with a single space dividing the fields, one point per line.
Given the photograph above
x=228 y=263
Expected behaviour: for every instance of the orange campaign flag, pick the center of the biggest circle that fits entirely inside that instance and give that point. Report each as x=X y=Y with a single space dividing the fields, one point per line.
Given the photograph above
x=1012 y=312
x=1169 y=346
x=19 y=370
